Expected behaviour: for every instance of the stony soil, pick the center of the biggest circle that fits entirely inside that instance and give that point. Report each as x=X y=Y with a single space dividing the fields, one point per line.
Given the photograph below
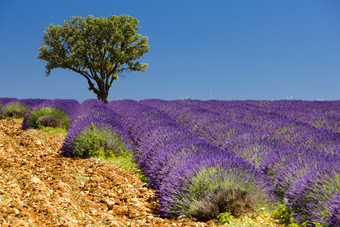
x=39 y=187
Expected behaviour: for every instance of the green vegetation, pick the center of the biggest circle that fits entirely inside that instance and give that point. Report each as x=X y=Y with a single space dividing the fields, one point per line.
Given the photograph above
x=51 y=130
x=282 y=214
x=15 y=110
x=33 y=119
x=226 y=218
x=105 y=144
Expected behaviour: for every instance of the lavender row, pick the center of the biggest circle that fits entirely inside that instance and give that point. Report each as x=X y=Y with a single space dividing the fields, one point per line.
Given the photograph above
x=53 y=113
x=184 y=169
x=98 y=128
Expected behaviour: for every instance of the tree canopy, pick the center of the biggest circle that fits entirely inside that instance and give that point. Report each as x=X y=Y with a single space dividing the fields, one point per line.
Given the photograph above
x=99 y=49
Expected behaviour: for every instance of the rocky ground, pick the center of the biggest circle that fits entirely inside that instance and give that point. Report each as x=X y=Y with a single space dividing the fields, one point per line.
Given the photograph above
x=39 y=187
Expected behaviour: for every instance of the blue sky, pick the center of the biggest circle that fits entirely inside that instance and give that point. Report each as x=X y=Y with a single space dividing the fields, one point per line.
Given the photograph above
x=218 y=49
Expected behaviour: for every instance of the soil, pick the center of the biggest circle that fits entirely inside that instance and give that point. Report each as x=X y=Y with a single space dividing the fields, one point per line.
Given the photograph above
x=39 y=187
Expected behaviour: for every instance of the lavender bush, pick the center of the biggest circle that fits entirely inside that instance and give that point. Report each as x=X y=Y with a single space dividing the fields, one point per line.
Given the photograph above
x=95 y=129
x=62 y=109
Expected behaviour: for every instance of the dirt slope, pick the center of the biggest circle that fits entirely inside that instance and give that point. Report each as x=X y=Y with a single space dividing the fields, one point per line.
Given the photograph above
x=40 y=187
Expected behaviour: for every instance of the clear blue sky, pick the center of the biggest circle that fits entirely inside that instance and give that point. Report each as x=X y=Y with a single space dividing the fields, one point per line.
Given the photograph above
x=219 y=49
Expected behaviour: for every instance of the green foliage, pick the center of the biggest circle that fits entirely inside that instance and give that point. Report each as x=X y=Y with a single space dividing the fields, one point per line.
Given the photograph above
x=93 y=141
x=105 y=144
x=43 y=111
x=142 y=177
x=97 y=48
x=283 y=214
x=126 y=161
x=51 y=130
x=15 y=110
x=225 y=217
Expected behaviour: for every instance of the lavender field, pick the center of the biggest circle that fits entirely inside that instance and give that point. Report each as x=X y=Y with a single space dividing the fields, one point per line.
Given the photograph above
x=205 y=158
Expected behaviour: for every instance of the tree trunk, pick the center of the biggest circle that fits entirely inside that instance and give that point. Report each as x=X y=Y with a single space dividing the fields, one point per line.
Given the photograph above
x=103 y=97
x=103 y=92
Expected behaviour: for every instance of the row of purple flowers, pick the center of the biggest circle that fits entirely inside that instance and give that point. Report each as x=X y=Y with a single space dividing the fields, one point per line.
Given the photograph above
x=93 y=113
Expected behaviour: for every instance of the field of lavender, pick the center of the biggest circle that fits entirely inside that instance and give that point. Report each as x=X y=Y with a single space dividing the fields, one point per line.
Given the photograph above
x=204 y=158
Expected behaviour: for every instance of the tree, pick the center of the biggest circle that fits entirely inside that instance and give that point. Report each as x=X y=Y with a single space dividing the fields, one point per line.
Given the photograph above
x=99 y=49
